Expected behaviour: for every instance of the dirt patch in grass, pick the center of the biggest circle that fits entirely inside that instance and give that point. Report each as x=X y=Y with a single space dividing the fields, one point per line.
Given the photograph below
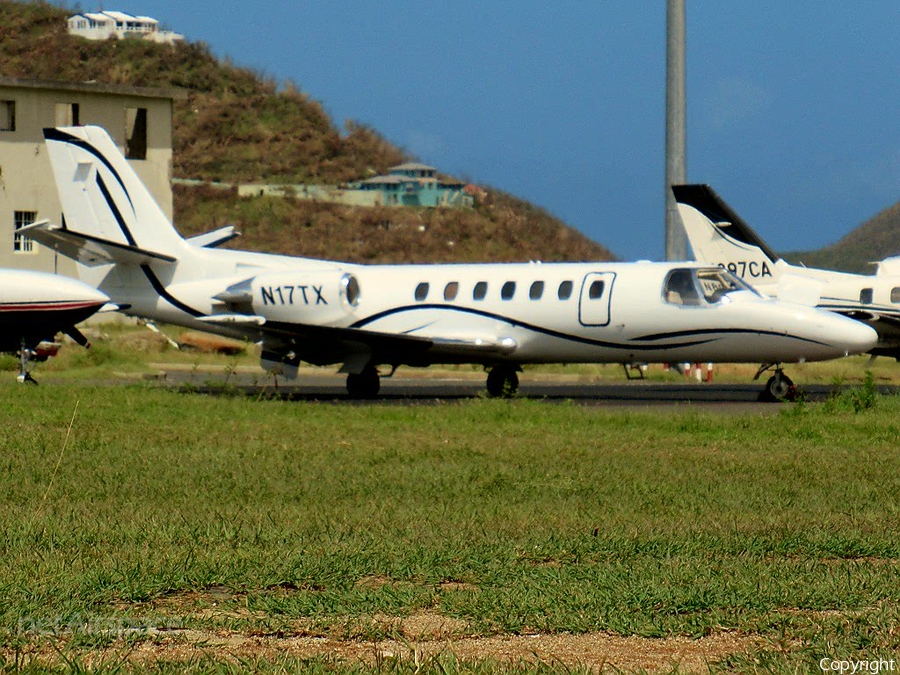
x=426 y=636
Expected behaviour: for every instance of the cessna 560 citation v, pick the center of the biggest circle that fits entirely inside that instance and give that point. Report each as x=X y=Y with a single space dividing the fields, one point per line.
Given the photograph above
x=366 y=316
x=35 y=306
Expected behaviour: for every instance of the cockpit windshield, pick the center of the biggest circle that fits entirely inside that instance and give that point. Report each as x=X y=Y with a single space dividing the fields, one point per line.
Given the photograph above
x=698 y=287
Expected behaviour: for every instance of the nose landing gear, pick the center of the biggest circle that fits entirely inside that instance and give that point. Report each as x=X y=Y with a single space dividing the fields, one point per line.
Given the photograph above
x=779 y=387
x=24 y=377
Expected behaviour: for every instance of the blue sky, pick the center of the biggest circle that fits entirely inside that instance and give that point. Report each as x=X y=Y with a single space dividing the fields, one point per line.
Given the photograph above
x=792 y=106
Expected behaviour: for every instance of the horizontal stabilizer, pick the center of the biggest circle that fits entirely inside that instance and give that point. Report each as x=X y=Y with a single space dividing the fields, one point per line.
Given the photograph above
x=888 y=267
x=214 y=238
x=89 y=250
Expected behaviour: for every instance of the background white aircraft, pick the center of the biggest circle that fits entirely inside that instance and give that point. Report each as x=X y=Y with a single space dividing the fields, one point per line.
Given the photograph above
x=35 y=306
x=366 y=316
x=719 y=236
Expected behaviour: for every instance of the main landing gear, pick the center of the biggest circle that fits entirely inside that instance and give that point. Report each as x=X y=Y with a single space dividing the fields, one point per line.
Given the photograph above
x=503 y=381
x=779 y=387
x=24 y=377
x=364 y=384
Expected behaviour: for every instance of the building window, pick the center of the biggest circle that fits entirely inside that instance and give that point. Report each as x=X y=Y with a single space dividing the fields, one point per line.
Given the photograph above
x=565 y=290
x=536 y=290
x=421 y=291
x=7 y=115
x=450 y=290
x=508 y=290
x=866 y=296
x=136 y=133
x=21 y=243
x=480 y=291
x=67 y=115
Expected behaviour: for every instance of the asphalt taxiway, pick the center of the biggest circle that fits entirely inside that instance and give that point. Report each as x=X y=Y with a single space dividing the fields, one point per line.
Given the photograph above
x=431 y=388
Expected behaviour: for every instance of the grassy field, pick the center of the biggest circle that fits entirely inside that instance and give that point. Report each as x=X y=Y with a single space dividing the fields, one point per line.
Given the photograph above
x=145 y=529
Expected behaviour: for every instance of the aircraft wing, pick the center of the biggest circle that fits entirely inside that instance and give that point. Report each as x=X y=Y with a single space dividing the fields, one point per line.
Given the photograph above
x=329 y=344
x=89 y=250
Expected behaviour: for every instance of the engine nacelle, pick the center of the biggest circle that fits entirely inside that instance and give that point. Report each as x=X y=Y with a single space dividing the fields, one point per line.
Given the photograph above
x=322 y=298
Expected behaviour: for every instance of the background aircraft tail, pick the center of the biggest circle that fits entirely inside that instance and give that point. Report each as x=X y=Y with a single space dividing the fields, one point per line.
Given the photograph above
x=720 y=236
x=106 y=207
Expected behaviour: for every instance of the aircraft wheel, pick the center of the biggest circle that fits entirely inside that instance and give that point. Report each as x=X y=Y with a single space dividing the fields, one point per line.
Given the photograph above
x=502 y=382
x=779 y=388
x=365 y=384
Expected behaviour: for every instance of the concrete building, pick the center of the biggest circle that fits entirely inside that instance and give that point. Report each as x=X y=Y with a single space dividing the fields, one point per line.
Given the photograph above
x=104 y=25
x=409 y=184
x=414 y=184
x=139 y=120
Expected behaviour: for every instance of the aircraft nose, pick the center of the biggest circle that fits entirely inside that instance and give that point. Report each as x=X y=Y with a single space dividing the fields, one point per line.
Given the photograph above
x=79 y=291
x=850 y=336
x=101 y=297
x=96 y=296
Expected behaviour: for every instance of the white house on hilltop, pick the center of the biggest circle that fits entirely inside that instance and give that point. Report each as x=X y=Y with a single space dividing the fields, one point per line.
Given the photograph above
x=103 y=25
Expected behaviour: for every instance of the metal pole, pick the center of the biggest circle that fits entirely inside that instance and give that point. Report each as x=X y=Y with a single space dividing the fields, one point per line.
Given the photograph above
x=676 y=244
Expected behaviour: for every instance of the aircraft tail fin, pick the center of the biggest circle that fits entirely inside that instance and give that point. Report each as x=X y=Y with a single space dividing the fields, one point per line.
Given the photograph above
x=720 y=236
x=107 y=208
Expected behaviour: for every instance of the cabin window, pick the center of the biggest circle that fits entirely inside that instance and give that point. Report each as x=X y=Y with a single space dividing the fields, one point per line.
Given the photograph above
x=422 y=291
x=67 y=115
x=7 y=115
x=135 y=133
x=480 y=291
x=895 y=295
x=21 y=243
x=536 y=290
x=866 y=296
x=595 y=291
x=680 y=288
x=565 y=290
x=508 y=290
x=450 y=290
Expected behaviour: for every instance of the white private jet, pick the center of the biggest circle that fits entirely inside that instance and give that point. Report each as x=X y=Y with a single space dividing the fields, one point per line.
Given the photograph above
x=35 y=306
x=719 y=236
x=366 y=316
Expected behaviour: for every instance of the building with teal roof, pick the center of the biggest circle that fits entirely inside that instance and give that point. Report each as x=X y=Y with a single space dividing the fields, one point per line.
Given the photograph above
x=414 y=184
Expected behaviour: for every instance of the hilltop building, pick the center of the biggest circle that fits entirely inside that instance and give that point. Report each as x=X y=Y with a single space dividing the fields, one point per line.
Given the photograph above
x=139 y=120
x=406 y=185
x=414 y=184
x=104 y=25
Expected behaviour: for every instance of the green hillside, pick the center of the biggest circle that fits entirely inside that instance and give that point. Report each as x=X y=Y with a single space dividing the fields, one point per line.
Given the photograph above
x=874 y=240
x=238 y=126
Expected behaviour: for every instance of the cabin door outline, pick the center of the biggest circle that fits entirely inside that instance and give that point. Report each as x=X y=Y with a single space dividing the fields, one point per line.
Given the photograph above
x=594 y=307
